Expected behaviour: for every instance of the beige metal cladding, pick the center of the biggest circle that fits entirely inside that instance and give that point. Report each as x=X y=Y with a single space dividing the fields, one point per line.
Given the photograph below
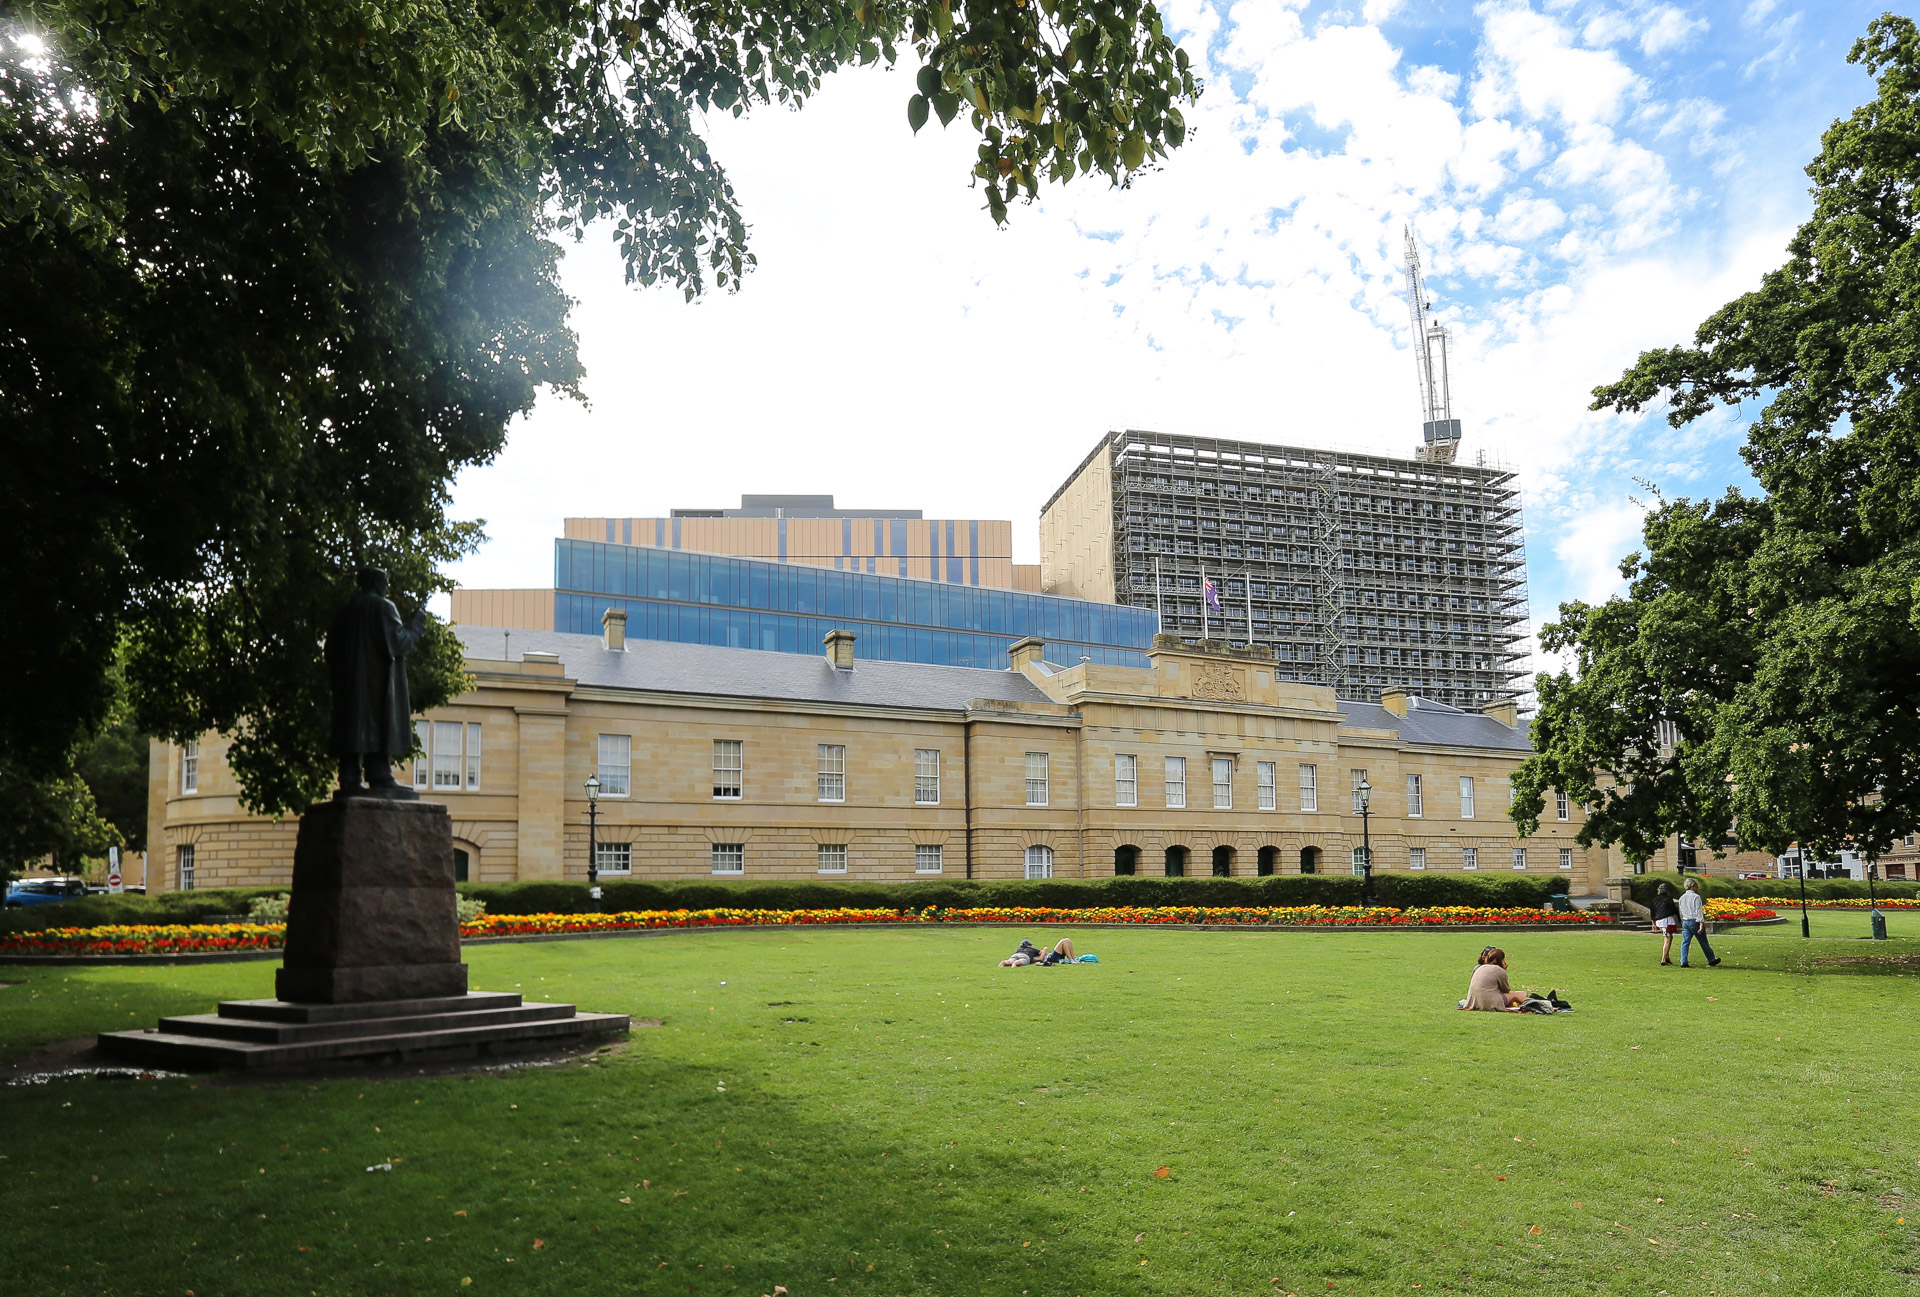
x=508 y=609
x=843 y=543
x=1076 y=533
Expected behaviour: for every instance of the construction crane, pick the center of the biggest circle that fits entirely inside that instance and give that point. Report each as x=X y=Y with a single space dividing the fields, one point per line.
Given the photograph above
x=1440 y=431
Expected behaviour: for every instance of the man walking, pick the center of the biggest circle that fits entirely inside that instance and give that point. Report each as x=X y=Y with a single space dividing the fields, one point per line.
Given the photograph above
x=1693 y=923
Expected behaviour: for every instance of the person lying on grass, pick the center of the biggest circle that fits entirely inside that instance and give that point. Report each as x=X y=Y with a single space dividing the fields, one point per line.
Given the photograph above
x=1028 y=953
x=1488 y=988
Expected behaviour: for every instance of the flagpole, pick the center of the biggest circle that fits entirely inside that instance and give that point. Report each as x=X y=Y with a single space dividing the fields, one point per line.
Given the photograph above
x=1249 y=610
x=1206 y=632
x=1159 y=612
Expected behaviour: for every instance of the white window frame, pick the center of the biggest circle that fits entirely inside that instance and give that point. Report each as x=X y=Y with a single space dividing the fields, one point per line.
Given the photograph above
x=1037 y=779
x=473 y=756
x=1176 y=776
x=1039 y=862
x=1309 y=787
x=190 y=766
x=1563 y=805
x=184 y=865
x=1566 y=857
x=1266 y=776
x=929 y=858
x=1222 y=788
x=1416 y=857
x=830 y=761
x=1470 y=858
x=447 y=766
x=1416 y=800
x=1126 y=779
x=830 y=858
x=1519 y=857
x=729 y=770
x=613 y=857
x=1359 y=855
x=729 y=858
x=449 y=757
x=614 y=765
x=1466 y=797
x=926 y=777
x=1356 y=778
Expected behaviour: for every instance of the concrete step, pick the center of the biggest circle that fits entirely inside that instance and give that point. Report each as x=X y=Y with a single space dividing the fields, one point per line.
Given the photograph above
x=270 y=1032
x=288 y=1011
x=186 y=1050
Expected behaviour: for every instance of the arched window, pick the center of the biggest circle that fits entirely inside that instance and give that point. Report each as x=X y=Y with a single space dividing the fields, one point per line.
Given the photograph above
x=1223 y=862
x=1309 y=860
x=462 y=865
x=1176 y=862
x=1126 y=860
x=1039 y=862
x=1269 y=861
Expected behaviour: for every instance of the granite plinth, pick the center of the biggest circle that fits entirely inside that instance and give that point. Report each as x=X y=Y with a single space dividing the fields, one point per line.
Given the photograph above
x=373 y=915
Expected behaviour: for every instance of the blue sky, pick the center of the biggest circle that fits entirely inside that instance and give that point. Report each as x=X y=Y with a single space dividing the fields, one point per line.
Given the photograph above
x=1586 y=181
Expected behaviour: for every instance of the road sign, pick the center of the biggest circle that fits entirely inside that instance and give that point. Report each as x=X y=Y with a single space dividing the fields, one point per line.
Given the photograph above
x=113 y=870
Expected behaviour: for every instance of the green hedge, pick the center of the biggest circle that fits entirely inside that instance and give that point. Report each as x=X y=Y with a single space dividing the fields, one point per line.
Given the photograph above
x=1404 y=890
x=1818 y=889
x=102 y=911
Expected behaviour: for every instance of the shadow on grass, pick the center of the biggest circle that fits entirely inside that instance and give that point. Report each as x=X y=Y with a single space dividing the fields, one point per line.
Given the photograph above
x=1827 y=957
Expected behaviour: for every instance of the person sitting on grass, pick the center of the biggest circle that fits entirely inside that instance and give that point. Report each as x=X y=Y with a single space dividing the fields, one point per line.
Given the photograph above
x=1028 y=953
x=1488 y=988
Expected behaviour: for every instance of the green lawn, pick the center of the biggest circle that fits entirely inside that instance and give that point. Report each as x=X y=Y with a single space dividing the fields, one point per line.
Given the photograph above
x=887 y=1112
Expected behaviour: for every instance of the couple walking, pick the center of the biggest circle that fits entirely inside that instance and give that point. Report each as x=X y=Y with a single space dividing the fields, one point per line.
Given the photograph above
x=1688 y=917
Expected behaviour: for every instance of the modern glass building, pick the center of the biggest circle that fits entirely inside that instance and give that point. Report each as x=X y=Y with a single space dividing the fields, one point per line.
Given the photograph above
x=751 y=603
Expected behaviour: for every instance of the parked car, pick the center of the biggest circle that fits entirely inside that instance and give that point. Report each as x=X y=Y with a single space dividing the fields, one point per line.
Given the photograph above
x=43 y=891
x=1758 y=876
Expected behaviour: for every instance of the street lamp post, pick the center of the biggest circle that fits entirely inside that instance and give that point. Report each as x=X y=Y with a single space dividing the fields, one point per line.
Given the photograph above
x=1366 y=842
x=1877 y=922
x=593 y=840
x=1806 y=929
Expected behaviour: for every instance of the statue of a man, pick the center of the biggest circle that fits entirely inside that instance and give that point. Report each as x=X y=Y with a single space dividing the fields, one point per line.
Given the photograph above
x=367 y=649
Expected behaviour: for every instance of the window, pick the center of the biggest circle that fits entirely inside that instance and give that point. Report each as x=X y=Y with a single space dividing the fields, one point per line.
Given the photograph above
x=833 y=771
x=1466 y=798
x=1416 y=858
x=1359 y=861
x=1037 y=781
x=473 y=755
x=1469 y=858
x=729 y=857
x=449 y=757
x=926 y=779
x=1563 y=805
x=185 y=856
x=1039 y=862
x=1519 y=857
x=1223 y=783
x=446 y=754
x=423 y=763
x=927 y=860
x=1356 y=778
x=613 y=857
x=729 y=769
x=190 y=771
x=1266 y=777
x=1566 y=857
x=1126 y=779
x=832 y=859
x=1413 y=797
x=616 y=762
x=1176 y=782
x=1309 y=789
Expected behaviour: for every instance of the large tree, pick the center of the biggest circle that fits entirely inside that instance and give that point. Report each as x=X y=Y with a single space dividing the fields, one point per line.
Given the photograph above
x=274 y=272
x=1778 y=633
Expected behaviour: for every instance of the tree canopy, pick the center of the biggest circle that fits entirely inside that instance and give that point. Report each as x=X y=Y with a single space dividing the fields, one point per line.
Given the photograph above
x=1778 y=633
x=277 y=272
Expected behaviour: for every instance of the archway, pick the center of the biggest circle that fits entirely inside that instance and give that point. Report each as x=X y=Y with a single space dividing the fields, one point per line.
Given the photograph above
x=1309 y=860
x=1126 y=860
x=462 y=865
x=1176 y=862
x=1223 y=862
x=1269 y=861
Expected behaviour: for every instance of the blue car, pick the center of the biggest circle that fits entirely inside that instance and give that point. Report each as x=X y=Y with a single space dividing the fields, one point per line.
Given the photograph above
x=43 y=891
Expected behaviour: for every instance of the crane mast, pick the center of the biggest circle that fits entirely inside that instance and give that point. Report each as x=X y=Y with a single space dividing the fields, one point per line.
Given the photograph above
x=1440 y=431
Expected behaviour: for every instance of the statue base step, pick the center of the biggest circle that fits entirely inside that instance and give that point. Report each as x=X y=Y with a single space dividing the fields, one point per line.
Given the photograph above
x=269 y=1035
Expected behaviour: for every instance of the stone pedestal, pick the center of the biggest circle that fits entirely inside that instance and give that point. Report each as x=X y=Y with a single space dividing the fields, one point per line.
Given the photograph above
x=373 y=915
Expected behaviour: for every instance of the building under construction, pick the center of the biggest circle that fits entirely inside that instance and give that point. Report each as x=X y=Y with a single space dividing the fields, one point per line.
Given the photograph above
x=1359 y=571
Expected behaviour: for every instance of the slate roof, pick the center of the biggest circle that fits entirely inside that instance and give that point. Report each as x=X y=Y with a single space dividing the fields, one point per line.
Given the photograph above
x=670 y=667
x=1439 y=725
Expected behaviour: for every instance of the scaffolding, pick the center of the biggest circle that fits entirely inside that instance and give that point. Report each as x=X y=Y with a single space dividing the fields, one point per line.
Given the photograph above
x=1360 y=571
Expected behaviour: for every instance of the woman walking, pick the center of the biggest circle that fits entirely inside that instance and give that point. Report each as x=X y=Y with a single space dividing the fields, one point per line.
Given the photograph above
x=1666 y=919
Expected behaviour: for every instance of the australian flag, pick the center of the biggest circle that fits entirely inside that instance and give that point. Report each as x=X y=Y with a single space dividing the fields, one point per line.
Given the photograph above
x=1213 y=595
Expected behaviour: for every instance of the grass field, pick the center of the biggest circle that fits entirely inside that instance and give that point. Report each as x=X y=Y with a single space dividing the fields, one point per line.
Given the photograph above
x=888 y=1112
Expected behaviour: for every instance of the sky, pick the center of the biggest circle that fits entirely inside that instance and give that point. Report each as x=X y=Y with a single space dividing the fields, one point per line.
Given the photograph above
x=1585 y=181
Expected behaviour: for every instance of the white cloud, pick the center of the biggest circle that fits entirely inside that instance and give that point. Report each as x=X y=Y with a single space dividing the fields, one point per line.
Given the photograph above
x=1609 y=27
x=1528 y=63
x=1669 y=28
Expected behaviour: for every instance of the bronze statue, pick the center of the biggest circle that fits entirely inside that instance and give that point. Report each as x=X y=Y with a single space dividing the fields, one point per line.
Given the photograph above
x=366 y=653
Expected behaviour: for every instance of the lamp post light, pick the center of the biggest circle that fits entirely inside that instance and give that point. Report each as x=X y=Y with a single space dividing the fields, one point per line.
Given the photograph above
x=1366 y=842
x=1800 y=868
x=593 y=840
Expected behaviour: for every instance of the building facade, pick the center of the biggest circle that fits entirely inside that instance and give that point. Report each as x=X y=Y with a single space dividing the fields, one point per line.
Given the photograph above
x=736 y=763
x=1361 y=572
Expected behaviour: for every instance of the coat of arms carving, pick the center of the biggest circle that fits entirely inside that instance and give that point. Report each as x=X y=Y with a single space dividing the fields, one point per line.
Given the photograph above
x=1220 y=682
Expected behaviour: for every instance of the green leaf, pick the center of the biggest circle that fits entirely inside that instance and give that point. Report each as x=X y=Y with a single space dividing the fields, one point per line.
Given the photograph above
x=928 y=80
x=946 y=104
x=917 y=112
x=1133 y=150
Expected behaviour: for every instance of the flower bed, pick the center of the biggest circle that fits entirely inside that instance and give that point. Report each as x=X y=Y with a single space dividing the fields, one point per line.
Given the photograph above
x=1727 y=909
x=179 y=939
x=1849 y=903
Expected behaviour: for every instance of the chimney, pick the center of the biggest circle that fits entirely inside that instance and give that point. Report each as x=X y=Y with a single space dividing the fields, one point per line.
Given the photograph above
x=613 y=628
x=1394 y=699
x=840 y=649
x=1023 y=651
x=1506 y=711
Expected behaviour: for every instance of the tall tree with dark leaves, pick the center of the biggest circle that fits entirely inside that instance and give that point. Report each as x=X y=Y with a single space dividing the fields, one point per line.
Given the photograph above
x=276 y=272
x=1778 y=633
